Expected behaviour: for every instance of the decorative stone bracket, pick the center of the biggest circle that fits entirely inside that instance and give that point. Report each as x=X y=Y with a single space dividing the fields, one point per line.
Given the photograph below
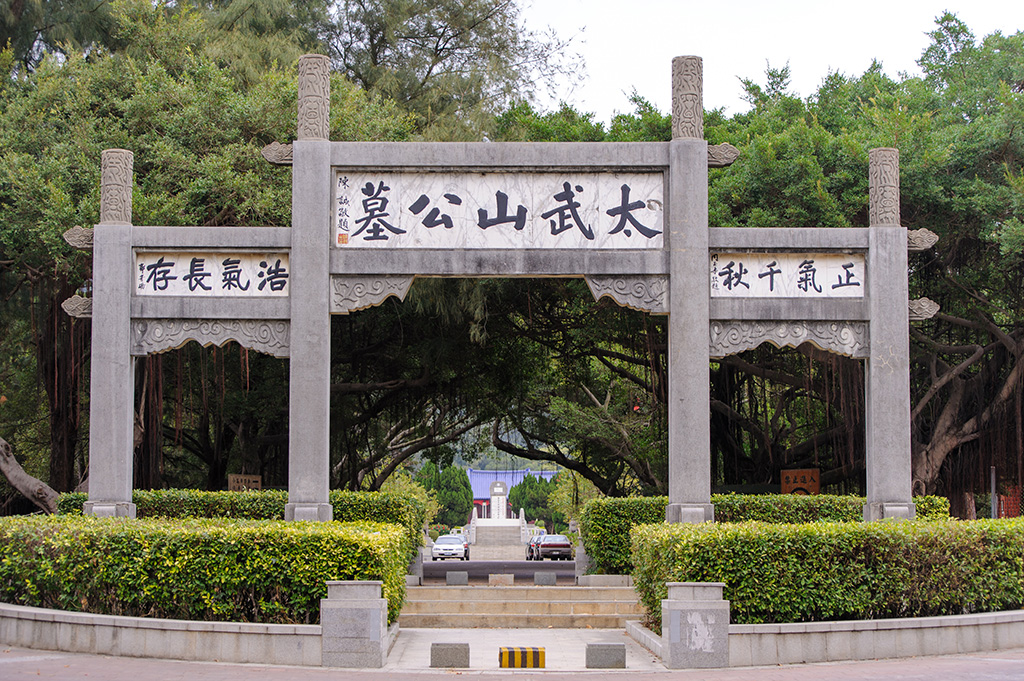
x=352 y=293
x=151 y=336
x=843 y=338
x=647 y=293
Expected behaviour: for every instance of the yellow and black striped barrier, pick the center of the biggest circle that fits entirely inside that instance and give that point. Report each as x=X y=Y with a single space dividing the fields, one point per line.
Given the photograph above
x=521 y=657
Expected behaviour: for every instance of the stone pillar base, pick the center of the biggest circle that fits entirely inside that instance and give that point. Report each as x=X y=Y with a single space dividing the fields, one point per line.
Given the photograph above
x=309 y=511
x=882 y=510
x=695 y=626
x=689 y=513
x=354 y=625
x=109 y=509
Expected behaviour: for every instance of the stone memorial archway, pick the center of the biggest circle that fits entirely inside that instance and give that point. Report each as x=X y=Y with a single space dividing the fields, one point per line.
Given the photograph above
x=630 y=218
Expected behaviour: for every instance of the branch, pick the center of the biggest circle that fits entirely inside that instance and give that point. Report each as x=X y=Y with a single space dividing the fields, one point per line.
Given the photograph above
x=36 y=491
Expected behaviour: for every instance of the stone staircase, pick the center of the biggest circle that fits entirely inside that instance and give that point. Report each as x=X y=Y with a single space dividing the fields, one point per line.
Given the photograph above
x=512 y=607
x=498 y=543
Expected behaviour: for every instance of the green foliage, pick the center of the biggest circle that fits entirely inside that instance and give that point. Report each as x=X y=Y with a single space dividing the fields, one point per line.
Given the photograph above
x=226 y=570
x=572 y=492
x=605 y=524
x=829 y=571
x=450 y=485
x=532 y=495
x=350 y=507
x=450 y=61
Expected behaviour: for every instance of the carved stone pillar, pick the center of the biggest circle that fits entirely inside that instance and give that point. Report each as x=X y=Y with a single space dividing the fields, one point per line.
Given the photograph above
x=889 y=489
x=310 y=328
x=314 y=97
x=687 y=98
x=116 y=187
x=111 y=399
x=689 y=429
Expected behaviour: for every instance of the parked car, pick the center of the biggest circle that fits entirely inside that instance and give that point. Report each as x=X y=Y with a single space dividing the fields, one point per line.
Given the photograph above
x=450 y=546
x=555 y=547
x=531 y=547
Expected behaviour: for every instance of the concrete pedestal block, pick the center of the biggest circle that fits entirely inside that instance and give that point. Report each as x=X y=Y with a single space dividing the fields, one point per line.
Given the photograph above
x=109 y=509
x=315 y=512
x=695 y=626
x=544 y=578
x=689 y=513
x=456 y=578
x=449 y=655
x=606 y=656
x=500 y=580
x=354 y=625
x=883 y=510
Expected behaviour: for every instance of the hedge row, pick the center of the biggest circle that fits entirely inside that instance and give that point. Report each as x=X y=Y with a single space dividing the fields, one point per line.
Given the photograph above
x=382 y=507
x=605 y=523
x=196 y=569
x=831 y=571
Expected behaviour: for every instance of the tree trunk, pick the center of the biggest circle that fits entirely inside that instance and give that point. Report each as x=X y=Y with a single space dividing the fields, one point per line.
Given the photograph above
x=36 y=491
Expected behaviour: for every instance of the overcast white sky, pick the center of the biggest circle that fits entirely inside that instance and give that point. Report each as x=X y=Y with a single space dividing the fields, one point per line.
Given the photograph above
x=630 y=43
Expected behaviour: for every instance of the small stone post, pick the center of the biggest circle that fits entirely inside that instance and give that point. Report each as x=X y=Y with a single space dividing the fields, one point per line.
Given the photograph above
x=695 y=626
x=354 y=625
x=309 y=393
x=111 y=399
x=689 y=428
x=889 y=491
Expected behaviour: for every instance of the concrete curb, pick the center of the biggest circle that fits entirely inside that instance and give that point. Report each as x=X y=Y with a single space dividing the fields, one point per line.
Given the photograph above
x=803 y=642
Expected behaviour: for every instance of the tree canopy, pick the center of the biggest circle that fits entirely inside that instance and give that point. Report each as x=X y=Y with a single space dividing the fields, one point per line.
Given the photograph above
x=534 y=365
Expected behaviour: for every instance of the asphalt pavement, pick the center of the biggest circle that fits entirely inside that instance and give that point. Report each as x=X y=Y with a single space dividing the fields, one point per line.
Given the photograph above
x=18 y=664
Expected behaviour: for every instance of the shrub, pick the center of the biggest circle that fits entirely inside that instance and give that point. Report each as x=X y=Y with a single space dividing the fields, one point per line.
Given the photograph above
x=829 y=571
x=605 y=522
x=198 y=569
x=383 y=507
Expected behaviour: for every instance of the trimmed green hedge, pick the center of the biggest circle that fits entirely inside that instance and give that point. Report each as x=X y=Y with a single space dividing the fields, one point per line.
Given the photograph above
x=196 y=569
x=831 y=571
x=383 y=507
x=605 y=522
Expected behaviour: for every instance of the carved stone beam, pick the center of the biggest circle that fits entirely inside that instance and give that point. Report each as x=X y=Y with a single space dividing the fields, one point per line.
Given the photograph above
x=721 y=155
x=922 y=309
x=79 y=237
x=278 y=154
x=921 y=240
x=352 y=293
x=842 y=338
x=78 y=307
x=151 y=336
x=647 y=293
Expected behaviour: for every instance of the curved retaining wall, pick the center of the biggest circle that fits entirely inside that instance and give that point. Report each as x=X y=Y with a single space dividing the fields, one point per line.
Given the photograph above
x=773 y=644
x=79 y=632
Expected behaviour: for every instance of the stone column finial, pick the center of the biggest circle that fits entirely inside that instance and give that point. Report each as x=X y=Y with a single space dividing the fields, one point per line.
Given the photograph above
x=687 y=98
x=116 y=186
x=884 y=186
x=314 y=97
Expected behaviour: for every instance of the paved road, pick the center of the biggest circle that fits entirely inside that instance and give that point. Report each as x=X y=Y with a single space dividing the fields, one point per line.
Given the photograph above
x=434 y=571
x=20 y=664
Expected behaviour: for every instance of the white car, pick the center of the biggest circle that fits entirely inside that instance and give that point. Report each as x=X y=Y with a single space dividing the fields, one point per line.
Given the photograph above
x=450 y=546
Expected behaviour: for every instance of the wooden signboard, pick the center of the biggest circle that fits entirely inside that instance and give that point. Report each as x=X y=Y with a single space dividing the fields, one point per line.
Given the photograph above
x=801 y=481
x=241 y=483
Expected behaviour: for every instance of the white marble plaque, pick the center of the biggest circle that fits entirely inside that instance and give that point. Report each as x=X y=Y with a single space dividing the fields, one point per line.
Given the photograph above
x=498 y=210
x=211 y=273
x=787 y=275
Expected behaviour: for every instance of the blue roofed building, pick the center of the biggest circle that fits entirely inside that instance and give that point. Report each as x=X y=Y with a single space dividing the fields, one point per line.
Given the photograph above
x=481 y=481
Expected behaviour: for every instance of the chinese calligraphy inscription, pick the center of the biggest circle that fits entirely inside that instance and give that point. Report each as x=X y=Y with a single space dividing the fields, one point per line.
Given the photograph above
x=207 y=273
x=498 y=210
x=787 y=275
